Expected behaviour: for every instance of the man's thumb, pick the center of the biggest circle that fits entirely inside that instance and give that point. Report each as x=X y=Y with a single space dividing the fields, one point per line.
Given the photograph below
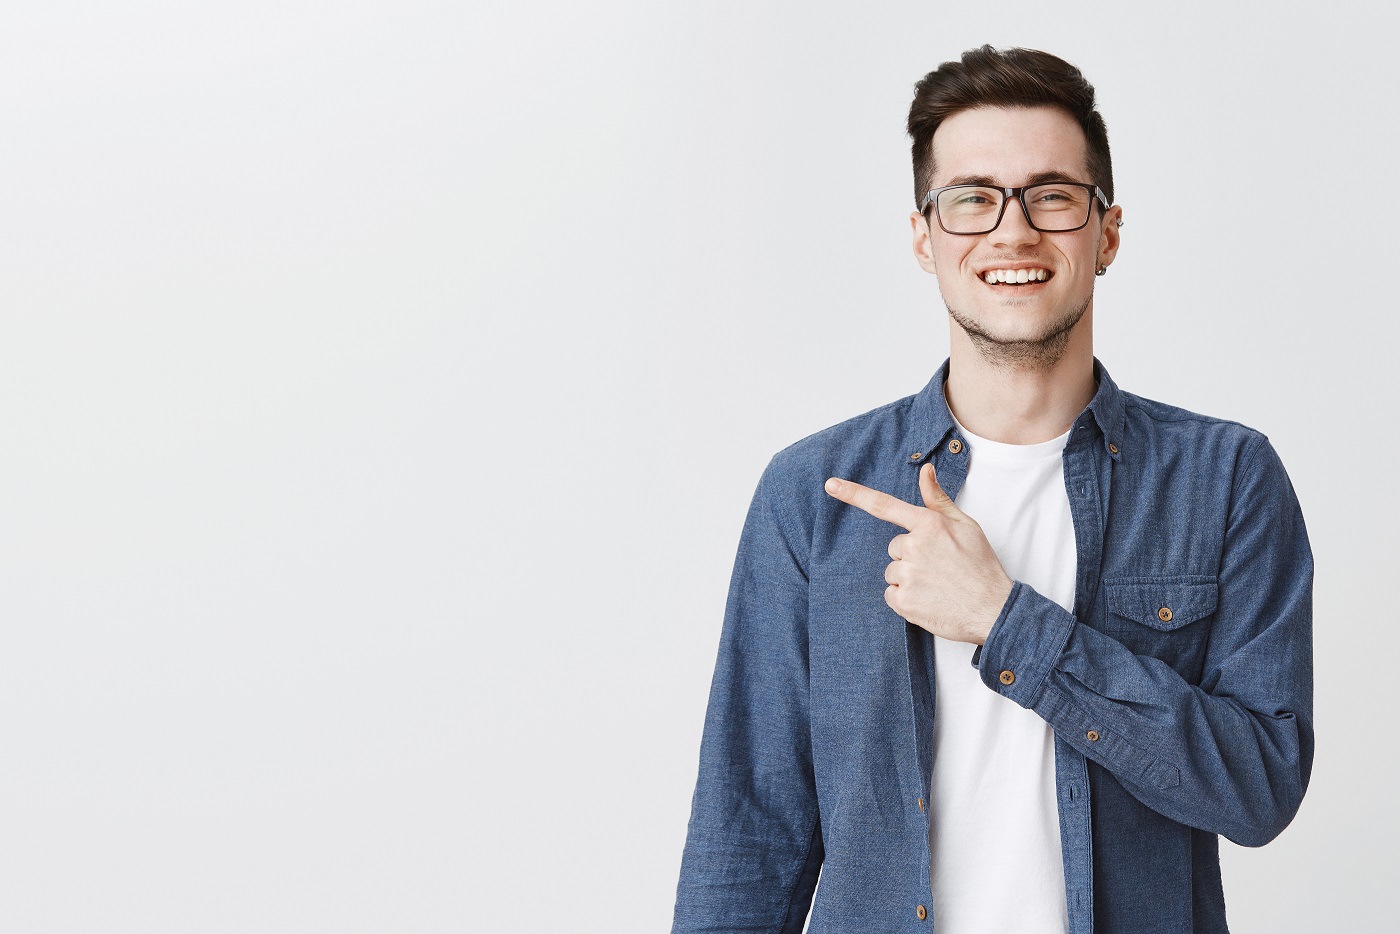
x=934 y=497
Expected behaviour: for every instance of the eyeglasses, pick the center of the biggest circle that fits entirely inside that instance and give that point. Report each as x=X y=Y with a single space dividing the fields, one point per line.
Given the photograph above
x=1051 y=207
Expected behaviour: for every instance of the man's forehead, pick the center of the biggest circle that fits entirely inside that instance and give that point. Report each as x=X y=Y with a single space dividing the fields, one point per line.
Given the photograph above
x=1009 y=146
x=1030 y=178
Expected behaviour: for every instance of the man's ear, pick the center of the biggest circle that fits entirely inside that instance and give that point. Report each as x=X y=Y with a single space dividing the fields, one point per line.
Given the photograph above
x=1110 y=239
x=923 y=243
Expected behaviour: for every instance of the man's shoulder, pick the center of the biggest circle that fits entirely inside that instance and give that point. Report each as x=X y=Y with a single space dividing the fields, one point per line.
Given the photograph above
x=846 y=448
x=1172 y=423
x=1169 y=447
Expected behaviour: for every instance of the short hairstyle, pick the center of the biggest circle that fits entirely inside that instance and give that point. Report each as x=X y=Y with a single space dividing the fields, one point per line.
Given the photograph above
x=986 y=77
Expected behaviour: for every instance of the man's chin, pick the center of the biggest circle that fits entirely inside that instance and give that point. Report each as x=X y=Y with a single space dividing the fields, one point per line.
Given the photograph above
x=1021 y=343
x=1012 y=333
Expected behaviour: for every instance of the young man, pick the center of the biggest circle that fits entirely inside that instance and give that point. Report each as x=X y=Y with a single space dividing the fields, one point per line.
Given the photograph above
x=1008 y=654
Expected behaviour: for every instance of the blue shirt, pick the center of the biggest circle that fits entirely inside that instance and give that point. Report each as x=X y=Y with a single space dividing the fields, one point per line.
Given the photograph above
x=1179 y=689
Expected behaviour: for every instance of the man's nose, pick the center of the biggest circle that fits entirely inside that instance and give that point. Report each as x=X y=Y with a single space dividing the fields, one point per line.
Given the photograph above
x=1015 y=227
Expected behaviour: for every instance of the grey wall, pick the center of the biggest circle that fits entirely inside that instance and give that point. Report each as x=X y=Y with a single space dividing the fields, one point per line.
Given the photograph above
x=382 y=387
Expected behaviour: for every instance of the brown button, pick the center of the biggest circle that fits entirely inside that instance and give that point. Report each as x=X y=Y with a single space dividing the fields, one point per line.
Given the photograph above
x=917 y=456
x=921 y=804
x=921 y=912
x=1112 y=448
x=1165 y=614
x=955 y=446
x=1008 y=677
x=1092 y=736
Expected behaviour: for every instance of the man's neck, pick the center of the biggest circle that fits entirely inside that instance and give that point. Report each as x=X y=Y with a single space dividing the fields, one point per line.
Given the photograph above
x=1017 y=405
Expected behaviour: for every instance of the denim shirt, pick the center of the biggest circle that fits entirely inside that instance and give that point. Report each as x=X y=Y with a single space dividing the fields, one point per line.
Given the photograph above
x=1179 y=689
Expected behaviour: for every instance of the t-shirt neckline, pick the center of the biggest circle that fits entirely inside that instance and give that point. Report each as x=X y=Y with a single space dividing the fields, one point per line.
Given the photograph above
x=1000 y=450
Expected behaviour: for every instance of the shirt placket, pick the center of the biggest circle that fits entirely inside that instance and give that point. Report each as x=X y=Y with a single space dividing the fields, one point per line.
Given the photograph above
x=950 y=460
x=1088 y=477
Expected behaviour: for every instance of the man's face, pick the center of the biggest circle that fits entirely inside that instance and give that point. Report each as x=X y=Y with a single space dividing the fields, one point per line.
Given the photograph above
x=1032 y=321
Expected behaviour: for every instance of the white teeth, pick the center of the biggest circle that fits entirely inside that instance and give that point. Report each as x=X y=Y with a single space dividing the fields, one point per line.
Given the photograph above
x=994 y=276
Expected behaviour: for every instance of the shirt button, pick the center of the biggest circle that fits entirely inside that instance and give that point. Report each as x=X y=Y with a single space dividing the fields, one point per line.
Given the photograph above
x=1165 y=614
x=954 y=446
x=916 y=456
x=1008 y=677
x=1092 y=736
x=921 y=804
x=921 y=912
x=1112 y=448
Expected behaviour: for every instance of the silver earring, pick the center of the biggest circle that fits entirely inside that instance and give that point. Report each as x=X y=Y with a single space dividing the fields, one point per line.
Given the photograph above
x=1101 y=270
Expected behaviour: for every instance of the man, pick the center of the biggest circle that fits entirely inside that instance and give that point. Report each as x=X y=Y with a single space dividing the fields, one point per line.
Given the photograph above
x=1009 y=654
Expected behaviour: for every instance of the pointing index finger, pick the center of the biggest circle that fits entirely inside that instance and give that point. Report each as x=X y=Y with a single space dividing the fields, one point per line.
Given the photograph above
x=880 y=505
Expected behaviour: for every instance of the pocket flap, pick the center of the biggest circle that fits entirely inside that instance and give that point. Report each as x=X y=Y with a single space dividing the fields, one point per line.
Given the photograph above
x=1164 y=603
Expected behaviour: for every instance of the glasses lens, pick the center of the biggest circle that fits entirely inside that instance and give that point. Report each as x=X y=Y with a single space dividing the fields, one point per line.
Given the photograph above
x=969 y=209
x=1058 y=207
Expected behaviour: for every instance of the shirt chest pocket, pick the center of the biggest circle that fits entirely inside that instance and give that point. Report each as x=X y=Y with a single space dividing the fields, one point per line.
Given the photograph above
x=1164 y=617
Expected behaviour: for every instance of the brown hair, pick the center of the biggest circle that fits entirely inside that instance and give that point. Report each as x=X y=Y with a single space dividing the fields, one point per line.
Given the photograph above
x=1011 y=78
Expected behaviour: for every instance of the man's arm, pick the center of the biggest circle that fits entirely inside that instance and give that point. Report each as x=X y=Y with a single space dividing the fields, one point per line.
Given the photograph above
x=754 y=848
x=1230 y=755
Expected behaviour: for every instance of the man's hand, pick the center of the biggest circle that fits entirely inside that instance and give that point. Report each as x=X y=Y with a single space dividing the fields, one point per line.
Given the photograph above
x=944 y=576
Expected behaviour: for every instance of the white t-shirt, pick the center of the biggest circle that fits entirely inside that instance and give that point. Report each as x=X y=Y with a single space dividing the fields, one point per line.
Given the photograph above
x=994 y=830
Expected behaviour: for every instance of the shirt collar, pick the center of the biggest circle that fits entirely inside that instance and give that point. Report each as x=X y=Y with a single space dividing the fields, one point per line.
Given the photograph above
x=931 y=422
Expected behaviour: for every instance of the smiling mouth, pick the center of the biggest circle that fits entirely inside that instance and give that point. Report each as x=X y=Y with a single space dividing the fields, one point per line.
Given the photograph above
x=1031 y=276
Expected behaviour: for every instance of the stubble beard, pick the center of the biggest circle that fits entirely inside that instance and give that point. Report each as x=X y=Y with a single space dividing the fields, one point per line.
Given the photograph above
x=1040 y=353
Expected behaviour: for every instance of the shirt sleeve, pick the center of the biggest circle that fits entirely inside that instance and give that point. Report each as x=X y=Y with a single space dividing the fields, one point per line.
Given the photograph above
x=753 y=847
x=1229 y=755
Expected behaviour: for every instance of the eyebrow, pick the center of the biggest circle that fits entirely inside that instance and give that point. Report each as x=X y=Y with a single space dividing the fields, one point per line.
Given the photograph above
x=1036 y=178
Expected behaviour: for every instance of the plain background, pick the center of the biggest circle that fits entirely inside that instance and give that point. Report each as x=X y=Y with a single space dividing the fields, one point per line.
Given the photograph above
x=382 y=388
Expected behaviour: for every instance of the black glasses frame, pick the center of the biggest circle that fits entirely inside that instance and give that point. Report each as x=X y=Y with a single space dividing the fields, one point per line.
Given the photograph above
x=1007 y=194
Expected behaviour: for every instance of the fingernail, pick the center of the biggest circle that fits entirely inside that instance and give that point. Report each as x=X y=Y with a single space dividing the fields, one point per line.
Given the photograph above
x=833 y=485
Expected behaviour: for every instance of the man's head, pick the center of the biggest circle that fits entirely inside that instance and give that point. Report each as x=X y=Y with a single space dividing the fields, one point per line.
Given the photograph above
x=1016 y=272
